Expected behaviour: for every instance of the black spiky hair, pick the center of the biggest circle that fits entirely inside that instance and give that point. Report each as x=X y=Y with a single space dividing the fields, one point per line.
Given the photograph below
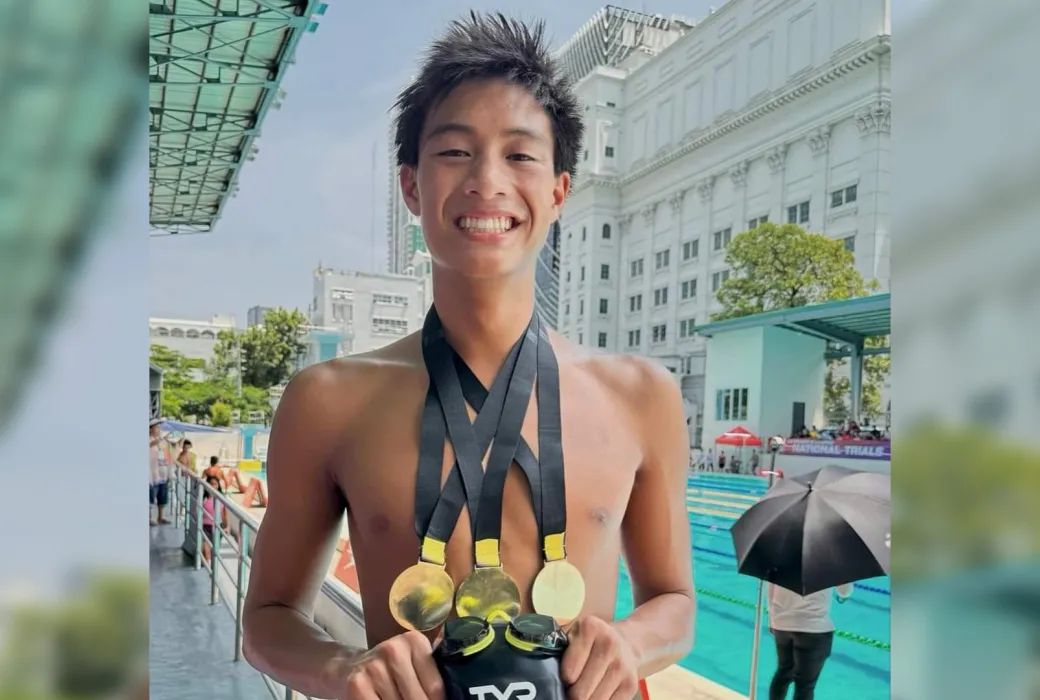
x=491 y=46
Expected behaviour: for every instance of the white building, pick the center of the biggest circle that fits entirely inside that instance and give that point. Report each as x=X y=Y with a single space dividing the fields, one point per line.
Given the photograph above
x=194 y=339
x=766 y=110
x=369 y=310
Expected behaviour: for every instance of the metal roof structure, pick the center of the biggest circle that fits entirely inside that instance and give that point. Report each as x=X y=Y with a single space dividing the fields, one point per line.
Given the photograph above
x=844 y=323
x=214 y=70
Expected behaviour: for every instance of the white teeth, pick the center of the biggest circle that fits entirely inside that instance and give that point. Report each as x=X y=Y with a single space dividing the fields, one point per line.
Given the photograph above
x=497 y=224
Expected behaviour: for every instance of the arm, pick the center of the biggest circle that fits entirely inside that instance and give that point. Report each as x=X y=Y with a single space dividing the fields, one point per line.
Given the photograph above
x=656 y=531
x=844 y=591
x=296 y=541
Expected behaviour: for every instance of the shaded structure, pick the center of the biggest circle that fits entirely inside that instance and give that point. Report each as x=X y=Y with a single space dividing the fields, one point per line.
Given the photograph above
x=214 y=71
x=845 y=325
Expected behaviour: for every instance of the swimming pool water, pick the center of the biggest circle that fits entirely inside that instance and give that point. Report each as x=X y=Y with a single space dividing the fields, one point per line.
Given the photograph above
x=725 y=626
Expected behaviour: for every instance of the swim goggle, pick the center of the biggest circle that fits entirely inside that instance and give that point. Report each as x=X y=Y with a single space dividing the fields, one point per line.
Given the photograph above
x=530 y=633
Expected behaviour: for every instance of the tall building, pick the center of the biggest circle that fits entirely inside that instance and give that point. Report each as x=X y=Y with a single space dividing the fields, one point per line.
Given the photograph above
x=762 y=112
x=398 y=218
x=368 y=310
x=255 y=315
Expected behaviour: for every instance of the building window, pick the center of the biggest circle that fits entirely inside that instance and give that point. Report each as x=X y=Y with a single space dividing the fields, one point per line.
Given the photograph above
x=846 y=195
x=342 y=312
x=177 y=333
x=798 y=213
x=581 y=339
x=689 y=289
x=192 y=333
x=662 y=258
x=635 y=303
x=208 y=335
x=603 y=306
x=755 y=223
x=661 y=296
x=342 y=294
x=606 y=232
x=609 y=151
x=636 y=268
x=611 y=104
x=721 y=239
x=604 y=272
x=850 y=243
x=690 y=249
x=567 y=309
x=731 y=404
x=659 y=333
x=582 y=274
x=583 y=232
x=585 y=154
x=568 y=275
x=633 y=338
x=601 y=340
x=686 y=327
x=717 y=279
x=390 y=299
x=391 y=326
x=581 y=307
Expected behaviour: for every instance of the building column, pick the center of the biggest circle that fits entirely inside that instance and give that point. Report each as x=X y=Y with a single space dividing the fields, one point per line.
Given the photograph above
x=856 y=382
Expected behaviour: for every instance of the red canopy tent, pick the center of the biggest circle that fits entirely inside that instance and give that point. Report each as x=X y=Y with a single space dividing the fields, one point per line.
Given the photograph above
x=739 y=437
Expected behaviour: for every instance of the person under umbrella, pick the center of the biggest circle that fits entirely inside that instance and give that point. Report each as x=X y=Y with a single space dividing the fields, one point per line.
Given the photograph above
x=803 y=632
x=807 y=535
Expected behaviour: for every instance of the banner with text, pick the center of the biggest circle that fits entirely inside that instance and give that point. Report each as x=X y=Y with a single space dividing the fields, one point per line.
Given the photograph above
x=845 y=449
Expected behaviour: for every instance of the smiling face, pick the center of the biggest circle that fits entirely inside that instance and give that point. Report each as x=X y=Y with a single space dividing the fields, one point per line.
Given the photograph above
x=485 y=187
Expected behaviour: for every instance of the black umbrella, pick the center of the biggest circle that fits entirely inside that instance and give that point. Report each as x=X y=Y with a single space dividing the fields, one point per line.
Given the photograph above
x=818 y=530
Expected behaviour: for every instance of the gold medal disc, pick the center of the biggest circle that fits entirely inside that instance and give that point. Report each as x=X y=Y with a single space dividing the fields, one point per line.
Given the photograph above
x=488 y=591
x=420 y=598
x=559 y=591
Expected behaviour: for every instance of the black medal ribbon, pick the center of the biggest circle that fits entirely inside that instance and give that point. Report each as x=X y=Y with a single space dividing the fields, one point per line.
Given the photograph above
x=506 y=440
x=437 y=509
x=553 y=490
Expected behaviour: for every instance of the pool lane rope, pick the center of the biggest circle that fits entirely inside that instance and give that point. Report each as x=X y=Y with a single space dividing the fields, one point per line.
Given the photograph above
x=858 y=638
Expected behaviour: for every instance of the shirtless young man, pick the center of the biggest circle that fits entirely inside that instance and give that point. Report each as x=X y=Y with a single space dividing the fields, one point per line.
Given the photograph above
x=489 y=130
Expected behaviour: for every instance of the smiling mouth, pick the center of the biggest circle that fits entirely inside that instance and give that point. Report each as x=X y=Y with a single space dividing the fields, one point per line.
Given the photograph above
x=492 y=225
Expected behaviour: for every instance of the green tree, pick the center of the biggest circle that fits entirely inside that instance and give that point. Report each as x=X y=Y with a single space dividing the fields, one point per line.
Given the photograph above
x=268 y=352
x=784 y=266
x=220 y=414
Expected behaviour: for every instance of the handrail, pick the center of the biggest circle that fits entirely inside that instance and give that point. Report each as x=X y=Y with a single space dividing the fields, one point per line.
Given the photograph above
x=186 y=485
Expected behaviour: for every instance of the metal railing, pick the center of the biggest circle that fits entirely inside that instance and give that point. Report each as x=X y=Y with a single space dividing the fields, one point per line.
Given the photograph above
x=238 y=537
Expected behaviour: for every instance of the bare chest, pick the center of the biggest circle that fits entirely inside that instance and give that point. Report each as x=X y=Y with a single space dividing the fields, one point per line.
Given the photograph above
x=378 y=472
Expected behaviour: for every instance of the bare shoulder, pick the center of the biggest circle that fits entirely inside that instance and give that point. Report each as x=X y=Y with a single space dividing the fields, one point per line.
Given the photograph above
x=323 y=400
x=638 y=382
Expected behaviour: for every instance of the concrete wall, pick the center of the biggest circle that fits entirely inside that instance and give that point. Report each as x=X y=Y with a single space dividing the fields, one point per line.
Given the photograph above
x=734 y=361
x=792 y=370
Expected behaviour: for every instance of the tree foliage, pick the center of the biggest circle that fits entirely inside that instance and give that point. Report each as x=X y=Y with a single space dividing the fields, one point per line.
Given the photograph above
x=268 y=352
x=966 y=501
x=784 y=266
x=186 y=398
x=89 y=646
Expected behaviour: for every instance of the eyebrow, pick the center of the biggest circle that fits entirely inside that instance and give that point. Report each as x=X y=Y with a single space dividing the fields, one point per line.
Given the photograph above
x=457 y=128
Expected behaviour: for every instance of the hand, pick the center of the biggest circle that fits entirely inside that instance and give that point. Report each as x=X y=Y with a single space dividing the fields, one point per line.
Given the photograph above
x=599 y=664
x=401 y=668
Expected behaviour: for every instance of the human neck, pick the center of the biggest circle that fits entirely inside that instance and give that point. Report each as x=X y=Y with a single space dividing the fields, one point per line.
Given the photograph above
x=482 y=319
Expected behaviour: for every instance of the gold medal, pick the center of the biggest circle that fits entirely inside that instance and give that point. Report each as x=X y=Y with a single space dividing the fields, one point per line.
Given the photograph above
x=559 y=591
x=488 y=591
x=420 y=598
